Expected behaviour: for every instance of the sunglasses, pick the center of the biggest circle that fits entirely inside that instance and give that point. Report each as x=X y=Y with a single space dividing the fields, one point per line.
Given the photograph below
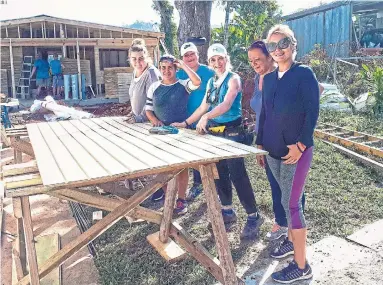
x=167 y=58
x=282 y=44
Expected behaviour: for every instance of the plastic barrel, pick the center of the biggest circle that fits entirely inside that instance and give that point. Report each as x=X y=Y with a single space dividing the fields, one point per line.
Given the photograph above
x=74 y=78
x=83 y=86
x=66 y=86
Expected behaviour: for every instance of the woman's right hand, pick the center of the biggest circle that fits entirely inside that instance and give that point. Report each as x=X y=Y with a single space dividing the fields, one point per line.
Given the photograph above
x=157 y=123
x=179 y=125
x=261 y=158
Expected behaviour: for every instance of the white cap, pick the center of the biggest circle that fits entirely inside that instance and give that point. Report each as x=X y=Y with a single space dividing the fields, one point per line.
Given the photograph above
x=216 y=49
x=186 y=47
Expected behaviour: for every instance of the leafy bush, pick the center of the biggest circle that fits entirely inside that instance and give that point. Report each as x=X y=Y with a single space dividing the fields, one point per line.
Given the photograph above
x=374 y=76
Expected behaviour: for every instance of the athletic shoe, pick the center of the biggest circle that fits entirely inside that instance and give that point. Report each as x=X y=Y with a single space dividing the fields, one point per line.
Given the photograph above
x=252 y=227
x=158 y=195
x=181 y=207
x=277 y=234
x=292 y=273
x=194 y=192
x=285 y=249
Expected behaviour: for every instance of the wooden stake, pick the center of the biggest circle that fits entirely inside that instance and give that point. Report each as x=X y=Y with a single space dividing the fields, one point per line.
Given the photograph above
x=29 y=242
x=12 y=69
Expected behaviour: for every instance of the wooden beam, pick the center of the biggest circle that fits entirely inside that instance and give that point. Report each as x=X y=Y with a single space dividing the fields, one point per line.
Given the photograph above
x=21 y=168
x=88 y=33
x=84 y=53
x=79 y=70
x=54 y=30
x=62 y=36
x=18 y=31
x=12 y=70
x=19 y=243
x=31 y=30
x=22 y=146
x=6 y=32
x=101 y=226
x=214 y=210
x=29 y=242
x=42 y=29
x=45 y=30
x=77 y=32
x=170 y=199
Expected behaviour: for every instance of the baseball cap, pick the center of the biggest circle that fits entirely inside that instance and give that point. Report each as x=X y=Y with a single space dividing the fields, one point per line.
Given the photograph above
x=216 y=49
x=186 y=47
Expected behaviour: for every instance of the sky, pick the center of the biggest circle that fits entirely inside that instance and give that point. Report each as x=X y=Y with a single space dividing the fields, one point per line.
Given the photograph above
x=113 y=12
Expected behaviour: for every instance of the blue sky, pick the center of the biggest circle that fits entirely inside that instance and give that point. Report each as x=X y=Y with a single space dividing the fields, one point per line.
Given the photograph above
x=113 y=12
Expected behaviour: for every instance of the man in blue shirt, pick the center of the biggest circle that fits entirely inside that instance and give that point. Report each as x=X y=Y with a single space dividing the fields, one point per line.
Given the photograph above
x=56 y=68
x=190 y=57
x=41 y=68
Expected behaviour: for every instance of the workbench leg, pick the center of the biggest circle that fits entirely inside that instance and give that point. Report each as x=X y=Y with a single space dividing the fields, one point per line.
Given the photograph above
x=17 y=155
x=30 y=242
x=170 y=199
x=19 y=243
x=214 y=210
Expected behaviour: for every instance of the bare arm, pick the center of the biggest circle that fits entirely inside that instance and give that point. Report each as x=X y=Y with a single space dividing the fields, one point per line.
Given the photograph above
x=153 y=119
x=194 y=78
x=33 y=71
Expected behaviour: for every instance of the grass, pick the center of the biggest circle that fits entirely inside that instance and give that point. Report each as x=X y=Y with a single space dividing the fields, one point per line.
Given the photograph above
x=342 y=196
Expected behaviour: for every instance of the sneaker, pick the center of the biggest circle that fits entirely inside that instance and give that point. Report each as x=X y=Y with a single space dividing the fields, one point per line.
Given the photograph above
x=285 y=249
x=251 y=229
x=194 y=192
x=277 y=232
x=181 y=207
x=158 y=195
x=292 y=273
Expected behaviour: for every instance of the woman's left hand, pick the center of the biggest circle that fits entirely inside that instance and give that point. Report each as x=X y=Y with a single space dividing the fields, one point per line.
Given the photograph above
x=201 y=126
x=179 y=63
x=293 y=156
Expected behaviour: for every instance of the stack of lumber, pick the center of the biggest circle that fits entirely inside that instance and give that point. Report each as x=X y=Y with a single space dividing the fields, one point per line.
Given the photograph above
x=70 y=67
x=124 y=80
x=111 y=80
x=4 y=81
x=17 y=62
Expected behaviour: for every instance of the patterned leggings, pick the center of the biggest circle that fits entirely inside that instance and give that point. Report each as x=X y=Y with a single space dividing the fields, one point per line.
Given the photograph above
x=291 y=179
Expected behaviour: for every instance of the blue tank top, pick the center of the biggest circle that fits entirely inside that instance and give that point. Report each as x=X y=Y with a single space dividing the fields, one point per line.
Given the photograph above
x=235 y=111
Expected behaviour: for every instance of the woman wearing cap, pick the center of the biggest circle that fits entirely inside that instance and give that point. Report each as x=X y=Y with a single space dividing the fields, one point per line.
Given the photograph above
x=290 y=108
x=222 y=107
x=144 y=74
x=190 y=56
x=167 y=103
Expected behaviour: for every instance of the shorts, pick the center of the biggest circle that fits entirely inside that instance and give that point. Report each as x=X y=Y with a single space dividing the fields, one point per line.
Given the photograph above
x=58 y=81
x=43 y=82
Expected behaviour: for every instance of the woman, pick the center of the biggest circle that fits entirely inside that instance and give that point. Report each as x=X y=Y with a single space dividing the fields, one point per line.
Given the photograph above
x=167 y=103
x=144 y=75
x=290 y=108
x=222 y=107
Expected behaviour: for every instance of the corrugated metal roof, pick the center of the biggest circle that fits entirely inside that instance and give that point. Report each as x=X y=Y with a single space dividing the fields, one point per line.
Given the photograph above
x=317 y=9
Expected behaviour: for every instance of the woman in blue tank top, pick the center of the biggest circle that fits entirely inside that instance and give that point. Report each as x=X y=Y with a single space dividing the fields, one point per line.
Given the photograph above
x=222 y=107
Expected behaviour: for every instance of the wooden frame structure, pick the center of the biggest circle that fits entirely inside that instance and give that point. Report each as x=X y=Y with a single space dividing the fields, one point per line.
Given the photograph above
x=24 y=36
x=170 y=154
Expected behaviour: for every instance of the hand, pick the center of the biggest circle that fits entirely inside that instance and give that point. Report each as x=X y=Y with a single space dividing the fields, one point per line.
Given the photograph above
x=179 y=63
x=261 y=158
x=157 y=123
x=179 y=125
x=293 y=156
x=201 y=126
x=130 y=118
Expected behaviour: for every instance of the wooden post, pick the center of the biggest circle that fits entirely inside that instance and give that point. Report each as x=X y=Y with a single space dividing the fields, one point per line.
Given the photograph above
x=66 y=33
x=62 y=36
x=18 y=30
x=79 y=70
x=30 y=30
x=100 y=34
x=77 y=32
x=170 y=199
x=111 y=34
x=214 y=210
x=45 y=30
x=19 y=243
x=12 y=70
x=97 y=66
x=6 y=32
x=29 y=242
x=84 y=53
x=88 y=33
x=54 y=30
x=42 y=30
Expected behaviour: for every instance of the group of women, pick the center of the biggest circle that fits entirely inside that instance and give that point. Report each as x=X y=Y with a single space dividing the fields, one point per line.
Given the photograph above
x=286 y=104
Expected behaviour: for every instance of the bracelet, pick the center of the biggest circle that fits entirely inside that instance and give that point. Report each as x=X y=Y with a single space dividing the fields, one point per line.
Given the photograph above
x=299 y=148
x=187 y=125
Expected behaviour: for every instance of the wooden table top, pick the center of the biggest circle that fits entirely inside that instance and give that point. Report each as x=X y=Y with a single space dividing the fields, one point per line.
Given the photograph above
x=89 y=149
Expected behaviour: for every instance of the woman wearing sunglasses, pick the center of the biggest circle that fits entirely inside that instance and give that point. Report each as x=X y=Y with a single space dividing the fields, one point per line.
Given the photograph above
x=290 y=109
x=222 y=107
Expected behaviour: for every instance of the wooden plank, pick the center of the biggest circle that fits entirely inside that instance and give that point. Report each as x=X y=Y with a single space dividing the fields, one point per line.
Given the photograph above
x=129 y=161
x=33 y=275
x=46 y=246
x=17 y=269
x=20 y=181
x=98 y=153
x=214 y=210
x=101 y=226
x=173 y=142
x=85 y=160
x=22 y=146
x=122 y=132
x=21 y=168
x=78 y=68
x=170 y=200
x=169 y=250
x=48 y=168
x=140 y=154
x=63 y=157
x=12 y=69
x=19 y=243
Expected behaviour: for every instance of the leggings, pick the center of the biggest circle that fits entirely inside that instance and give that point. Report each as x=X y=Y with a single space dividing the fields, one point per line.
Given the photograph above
x=291 y=180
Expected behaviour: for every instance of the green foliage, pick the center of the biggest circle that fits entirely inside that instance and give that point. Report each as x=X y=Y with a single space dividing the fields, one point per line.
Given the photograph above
x=374 y=76
x=251 y=21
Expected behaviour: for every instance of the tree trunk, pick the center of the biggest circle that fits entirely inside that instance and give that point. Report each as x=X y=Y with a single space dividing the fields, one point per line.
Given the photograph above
x=226 y=26
x=166 y=23
x=194 y=22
